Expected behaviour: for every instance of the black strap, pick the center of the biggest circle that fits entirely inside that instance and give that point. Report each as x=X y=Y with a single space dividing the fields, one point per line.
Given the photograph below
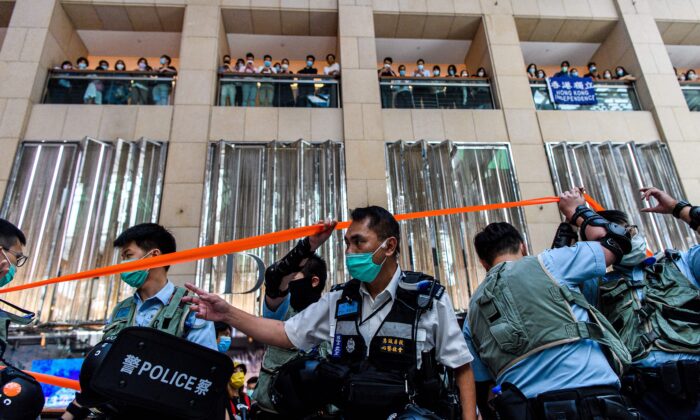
x=376 y=311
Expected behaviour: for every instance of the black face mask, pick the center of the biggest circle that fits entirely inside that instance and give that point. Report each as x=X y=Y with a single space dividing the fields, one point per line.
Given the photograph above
x=302 y=294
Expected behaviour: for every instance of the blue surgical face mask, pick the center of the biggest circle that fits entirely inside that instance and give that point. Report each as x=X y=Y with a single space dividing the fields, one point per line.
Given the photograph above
x=420 y=67
x=638 y=252
x=531 y=70
x=436 y=72
x=620 y=73
x=564 y=68
x=224 y=343
x=135 y=278
x=362 y=267
x=82 y=65
x=574 y=73
x=309 y=63
x=267 y=63
x=452 y=72
x=10 y=274
x=592 y=69
x=249 y=392
x=402 y=73
x=163 y=60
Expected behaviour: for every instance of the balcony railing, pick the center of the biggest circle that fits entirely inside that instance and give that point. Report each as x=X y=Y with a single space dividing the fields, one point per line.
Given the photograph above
x=611 y=95
x=108 y=87
x=278 y=90
x=691 y=91
x=434 y=93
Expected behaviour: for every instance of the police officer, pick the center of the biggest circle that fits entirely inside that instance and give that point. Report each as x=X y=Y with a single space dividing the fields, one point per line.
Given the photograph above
x=551 y=354
x=21 y=396
x=654 y=303
x=154 y=296
x=291 y=285
x=376 y=348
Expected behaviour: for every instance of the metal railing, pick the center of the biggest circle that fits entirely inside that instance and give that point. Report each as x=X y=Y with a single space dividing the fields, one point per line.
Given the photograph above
x=691 y=91
x=612 y=95
x=436 y=93
x=108 y=87
x=278 y=90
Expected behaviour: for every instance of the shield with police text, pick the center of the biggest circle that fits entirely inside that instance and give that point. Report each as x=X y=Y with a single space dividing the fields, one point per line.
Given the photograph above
x=160 y=372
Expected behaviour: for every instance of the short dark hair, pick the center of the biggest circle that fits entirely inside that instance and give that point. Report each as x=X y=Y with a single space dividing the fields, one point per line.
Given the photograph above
x=220 y=327
x=330 y=55
x=226 y=55
x=389 y=59
x=497 y=239
x=267 y=56
x=148 y=236
x=381 y=222
x=420 y=60
x=82 y=59
x=252 y=380
x=592 y=63
x=249 y=54
x=316 y=266
x=565 y=62
x=10 y=234
x=616 y=216
x=311 y=57
x=167 y=57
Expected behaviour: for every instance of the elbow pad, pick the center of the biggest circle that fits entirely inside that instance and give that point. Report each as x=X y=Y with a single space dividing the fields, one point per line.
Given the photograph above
x=565 y=236
x=287 y=265
x=616 y=239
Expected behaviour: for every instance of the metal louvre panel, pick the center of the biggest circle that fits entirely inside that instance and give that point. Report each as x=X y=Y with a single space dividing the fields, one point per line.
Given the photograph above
x=88 y=192
x=427 y=176
x=613 y=173
x=256 y=188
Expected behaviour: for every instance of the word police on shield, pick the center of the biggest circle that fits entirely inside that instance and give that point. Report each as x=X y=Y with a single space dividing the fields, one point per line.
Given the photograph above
x=160 y=372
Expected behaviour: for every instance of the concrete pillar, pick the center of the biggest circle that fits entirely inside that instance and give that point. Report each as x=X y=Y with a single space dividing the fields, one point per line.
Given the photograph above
x=39 y=36
x=499 y=34
x=201 y=44
x=362 y=111
x=660 y=92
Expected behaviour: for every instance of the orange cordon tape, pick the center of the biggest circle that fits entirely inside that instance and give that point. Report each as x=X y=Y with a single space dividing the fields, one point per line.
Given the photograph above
x=244 y=244
x=53 y=380
x=239 y=245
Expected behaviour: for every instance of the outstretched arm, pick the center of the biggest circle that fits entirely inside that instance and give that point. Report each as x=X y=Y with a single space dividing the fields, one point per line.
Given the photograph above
x=212 y=307
x=668 y=205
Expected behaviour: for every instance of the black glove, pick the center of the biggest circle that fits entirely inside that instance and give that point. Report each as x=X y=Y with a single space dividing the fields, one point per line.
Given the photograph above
x=565 y=236
x=287 y=265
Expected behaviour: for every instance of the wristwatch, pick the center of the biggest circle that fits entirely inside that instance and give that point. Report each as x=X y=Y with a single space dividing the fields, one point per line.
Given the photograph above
x=680 y=206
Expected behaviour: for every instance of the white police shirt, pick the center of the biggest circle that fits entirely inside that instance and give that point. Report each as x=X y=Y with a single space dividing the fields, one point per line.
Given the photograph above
x=438 y=327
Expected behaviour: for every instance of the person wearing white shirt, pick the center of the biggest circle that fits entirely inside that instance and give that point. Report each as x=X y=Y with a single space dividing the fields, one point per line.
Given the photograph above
x=332 y=69
x=250 y=85
x=422 y=95
x=379 y=291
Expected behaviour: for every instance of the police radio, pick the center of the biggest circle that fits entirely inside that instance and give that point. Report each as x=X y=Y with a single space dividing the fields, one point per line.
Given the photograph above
x=147 y=370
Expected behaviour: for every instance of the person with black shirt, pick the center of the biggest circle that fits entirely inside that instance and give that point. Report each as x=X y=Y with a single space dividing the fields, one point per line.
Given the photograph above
x=161 y=91
x=306 y=89
x=593 y=72
x=564 y=69
x=139 y=89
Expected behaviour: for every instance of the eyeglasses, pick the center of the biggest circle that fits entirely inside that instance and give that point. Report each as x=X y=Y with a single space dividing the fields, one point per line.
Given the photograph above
x=21 y=258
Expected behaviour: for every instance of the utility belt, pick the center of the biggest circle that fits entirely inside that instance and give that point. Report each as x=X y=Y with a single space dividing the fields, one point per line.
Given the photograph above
x=598 y=402
x=680 y=380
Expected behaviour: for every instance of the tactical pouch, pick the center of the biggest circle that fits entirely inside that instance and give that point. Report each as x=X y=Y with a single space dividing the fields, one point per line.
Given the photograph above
x=512 y=404
x=374 y=391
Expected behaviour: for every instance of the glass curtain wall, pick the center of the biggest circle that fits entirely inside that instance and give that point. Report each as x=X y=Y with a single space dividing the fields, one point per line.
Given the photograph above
x=427 y=176
x=72 y=199
x=613 y=173
x=256 y=188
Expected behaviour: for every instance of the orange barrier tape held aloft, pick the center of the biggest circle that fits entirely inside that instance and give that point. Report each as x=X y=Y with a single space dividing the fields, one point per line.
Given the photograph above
x=239 y=245
x=53 y=380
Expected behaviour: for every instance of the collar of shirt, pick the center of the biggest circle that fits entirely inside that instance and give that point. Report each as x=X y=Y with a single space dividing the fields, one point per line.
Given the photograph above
x=388 y=293
x=163 y=295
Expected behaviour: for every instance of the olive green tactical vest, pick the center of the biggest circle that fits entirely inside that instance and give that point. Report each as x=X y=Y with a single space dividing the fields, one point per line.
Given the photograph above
x=667 y=319
x=273 y=359
x=170 y=319
x=520 y=310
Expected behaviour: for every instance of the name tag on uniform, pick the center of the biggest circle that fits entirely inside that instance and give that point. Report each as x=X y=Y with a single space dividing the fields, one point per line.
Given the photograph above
x=347 y=309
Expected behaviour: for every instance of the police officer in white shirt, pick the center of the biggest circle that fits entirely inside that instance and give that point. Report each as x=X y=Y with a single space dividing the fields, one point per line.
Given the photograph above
x=377 y=302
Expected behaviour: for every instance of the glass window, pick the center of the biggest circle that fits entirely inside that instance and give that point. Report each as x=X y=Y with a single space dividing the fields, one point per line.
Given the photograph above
x=257 y=188
x=613 y=173
x=72 y=199
x=427 y=176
